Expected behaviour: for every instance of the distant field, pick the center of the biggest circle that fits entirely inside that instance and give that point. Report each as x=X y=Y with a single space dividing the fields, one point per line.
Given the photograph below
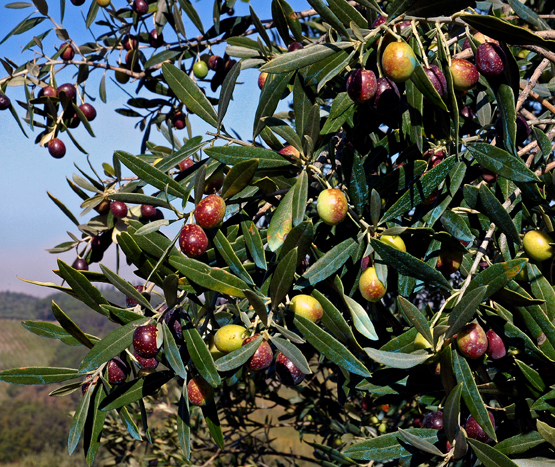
x=18 y=347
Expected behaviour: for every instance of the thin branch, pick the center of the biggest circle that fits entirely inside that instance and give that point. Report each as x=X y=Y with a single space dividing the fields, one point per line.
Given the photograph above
x=540 y=51
x=548 y=105
x=231 y=140
x=531 y=83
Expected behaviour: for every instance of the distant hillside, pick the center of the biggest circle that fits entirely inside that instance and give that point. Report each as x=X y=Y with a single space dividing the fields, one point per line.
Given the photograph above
x=16 y=305
x=19 y=347
x=25 y=307
x=34 y=427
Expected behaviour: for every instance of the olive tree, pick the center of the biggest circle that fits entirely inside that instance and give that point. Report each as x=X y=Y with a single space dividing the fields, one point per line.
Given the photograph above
x=383 y=247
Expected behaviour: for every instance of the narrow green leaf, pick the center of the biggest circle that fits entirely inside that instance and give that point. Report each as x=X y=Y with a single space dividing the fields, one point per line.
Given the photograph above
x=212 y=420
x=329 y=16
x=121 y=315
x=184 y=423
x=292 y=20
x=498 y=214
x=311 y=131
x=421 y=190
x=386 y=447
x=66 y=389
x=260 y=27
x=238 y=357
x=300 y=199
x=408 y=265
x=327 y=345
x=425 y=86
x=232 y=155
x=82 y=287
x=298 y=59
x=227 y=91
x=239 y=177
x=282 y=278
x=334 y=65
x=501 y=162
x=38 y=375
x=543 y=141
x=254 y=243
x=292 y=353
x=129 y=423
x=65 y=210
x=135 y=390
x=413 y=116
x=546 y=431
x=67 y=323
x=258 y=304
x=102 y=89
x=542 y=289
x=465 y=310
x=152 y=175
x=456 y=226
x=282 y=221
x=490 y=456
x=218 y=280
x=347 y=13
x=139 y=198
x=94 y=425
x=280 y=21
x=361 y=320
x=192 y=13
x=271 y=94
x=397 y=359
x=49 y=330
x=201 y=356
x=334 y=321
x=358 y=187
x=531 y=375
x=293 y=337
x=78 y=422
x=497 y=276
x=171 y=288
x=172 y=352
x=114 y=343
x=299 y=237
x=91 y=16
x=329 y=264
x=415 y=317
x=126 y=288
x=18 y=5
x=302 y=105
x=499 y=29
x=280 y=128
x=25 y=25
x=471 y=395
x=452 y=412
x=189 y=93
x=420 y=443
x=520 y=443
x=528 y=15
x=191 y=147
x=226 y=250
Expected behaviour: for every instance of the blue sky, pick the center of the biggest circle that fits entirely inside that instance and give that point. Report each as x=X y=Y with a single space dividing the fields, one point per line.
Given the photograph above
x=30 y=222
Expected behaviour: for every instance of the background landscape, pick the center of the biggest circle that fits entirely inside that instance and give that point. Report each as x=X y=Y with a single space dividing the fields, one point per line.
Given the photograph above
x=33 y=425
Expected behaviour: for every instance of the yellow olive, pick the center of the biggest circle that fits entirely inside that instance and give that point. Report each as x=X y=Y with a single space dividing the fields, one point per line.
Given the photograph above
x=395 y=241
x=230 y=338
x=307 y=306
x=537 y=245
x=370 y=286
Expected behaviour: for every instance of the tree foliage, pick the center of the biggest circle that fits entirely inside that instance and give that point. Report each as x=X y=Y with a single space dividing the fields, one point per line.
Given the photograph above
x=444 y=171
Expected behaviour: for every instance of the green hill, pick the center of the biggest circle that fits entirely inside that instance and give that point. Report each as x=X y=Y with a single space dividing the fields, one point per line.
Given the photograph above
x=16 y=305
x=33 y=426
